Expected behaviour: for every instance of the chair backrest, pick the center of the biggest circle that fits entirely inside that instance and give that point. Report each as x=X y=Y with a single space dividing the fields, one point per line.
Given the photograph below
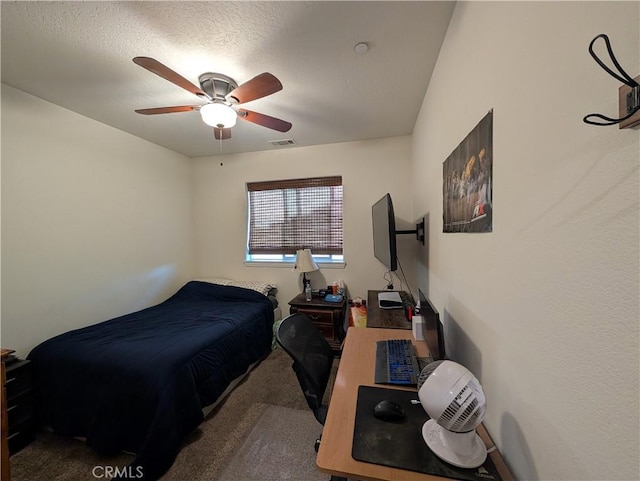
x=312 y=358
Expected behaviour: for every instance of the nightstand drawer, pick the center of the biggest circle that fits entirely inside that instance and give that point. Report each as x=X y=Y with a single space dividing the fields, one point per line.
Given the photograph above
x=327 y=330
x=319 y=317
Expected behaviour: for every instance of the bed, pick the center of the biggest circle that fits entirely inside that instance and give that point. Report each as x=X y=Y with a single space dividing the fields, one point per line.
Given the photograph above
x=140 y=382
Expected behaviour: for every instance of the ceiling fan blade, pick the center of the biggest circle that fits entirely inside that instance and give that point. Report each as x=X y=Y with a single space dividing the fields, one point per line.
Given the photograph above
x=167 y=110
x=256 y=88
x=152 y=65
x=223 y=134
x=265 y=120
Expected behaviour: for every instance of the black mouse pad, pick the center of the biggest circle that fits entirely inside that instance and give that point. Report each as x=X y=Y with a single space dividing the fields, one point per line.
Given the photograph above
x=399 y=444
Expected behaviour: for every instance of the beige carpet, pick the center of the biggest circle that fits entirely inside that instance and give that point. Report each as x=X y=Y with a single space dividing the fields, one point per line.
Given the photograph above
x=280 y=447
x=206 y=452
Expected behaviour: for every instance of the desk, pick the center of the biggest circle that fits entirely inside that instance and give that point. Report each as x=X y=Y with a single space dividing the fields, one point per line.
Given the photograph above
x=387 y=318
x=357 y=368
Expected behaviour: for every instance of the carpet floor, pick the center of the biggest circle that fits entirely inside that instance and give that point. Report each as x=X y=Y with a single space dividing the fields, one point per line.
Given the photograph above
x=205 y=453
x=279 y=448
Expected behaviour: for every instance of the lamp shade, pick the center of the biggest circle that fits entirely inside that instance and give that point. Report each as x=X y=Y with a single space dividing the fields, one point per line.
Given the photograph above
x=304 y=261
x=218 y=115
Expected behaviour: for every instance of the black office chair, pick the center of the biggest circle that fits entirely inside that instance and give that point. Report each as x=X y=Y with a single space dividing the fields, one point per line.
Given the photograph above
x=312 y=361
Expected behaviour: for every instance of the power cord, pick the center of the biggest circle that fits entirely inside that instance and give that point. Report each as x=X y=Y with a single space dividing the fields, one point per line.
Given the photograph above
x=624 y=77
x=403 y=281
x=388 y=279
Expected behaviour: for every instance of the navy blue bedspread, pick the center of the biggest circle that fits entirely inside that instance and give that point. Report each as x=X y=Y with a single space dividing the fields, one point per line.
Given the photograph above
x=138 y=382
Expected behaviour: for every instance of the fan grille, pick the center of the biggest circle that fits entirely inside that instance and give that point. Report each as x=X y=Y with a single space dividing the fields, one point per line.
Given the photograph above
x=465 y=412
x=427 y=371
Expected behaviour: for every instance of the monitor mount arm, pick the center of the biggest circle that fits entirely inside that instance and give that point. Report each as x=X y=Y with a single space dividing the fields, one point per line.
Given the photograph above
x=418 y=231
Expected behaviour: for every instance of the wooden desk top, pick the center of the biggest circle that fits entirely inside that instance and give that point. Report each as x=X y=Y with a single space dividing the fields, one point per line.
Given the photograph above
x=356 y=368
x=386 y=318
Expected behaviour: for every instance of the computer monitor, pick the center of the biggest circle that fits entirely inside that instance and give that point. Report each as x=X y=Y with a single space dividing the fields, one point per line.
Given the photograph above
x=432 y=329
x=384 y=232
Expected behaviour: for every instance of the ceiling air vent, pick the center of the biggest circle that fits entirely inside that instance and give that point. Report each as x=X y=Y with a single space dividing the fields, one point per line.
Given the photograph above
x=283 y=142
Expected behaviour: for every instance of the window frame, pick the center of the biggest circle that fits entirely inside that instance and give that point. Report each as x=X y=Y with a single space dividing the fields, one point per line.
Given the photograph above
x=287 y=259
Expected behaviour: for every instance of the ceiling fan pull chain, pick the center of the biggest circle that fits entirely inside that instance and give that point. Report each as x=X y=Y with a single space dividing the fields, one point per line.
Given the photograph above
x=220 y=151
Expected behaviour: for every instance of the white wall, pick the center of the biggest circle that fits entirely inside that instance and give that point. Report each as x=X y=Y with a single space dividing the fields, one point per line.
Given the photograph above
x=369 y=169
x=95 y=222
x=545 y=309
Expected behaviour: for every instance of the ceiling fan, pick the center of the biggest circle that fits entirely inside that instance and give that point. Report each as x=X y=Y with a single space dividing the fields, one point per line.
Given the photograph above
x=222 y=94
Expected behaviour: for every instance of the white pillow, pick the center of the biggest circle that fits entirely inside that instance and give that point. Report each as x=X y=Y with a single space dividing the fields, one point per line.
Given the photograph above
x=215 y=280
x=262 y=287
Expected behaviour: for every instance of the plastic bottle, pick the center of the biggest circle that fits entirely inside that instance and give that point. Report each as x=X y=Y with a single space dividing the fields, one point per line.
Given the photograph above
x=307 y=292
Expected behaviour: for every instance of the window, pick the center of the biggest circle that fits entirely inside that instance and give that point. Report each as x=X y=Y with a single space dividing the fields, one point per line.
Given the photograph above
x=287 y=215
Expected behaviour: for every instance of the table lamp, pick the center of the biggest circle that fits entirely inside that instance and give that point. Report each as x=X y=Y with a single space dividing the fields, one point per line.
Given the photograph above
x=305 y=263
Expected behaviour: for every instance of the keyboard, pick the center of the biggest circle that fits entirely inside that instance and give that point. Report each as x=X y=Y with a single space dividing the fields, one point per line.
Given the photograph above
x=396 y=363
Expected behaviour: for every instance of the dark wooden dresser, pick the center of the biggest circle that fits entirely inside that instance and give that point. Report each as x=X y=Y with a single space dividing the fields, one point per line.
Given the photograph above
x=21 y=425
x=4 y=466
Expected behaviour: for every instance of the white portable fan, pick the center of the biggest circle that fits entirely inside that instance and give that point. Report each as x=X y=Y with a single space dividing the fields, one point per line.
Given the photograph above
x=454 y=400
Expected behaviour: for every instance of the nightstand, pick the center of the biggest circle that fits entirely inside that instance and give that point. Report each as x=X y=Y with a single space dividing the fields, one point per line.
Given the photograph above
x=328 y=317
x=19 y=398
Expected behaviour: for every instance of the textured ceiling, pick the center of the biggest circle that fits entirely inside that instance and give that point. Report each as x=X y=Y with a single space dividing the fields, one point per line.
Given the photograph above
x=79 y=55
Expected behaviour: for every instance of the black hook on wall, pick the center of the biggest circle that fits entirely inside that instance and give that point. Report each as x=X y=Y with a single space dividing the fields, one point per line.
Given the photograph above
x=632 y=104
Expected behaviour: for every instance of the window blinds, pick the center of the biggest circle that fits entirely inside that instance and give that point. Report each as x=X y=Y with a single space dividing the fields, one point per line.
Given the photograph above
x=287 y=215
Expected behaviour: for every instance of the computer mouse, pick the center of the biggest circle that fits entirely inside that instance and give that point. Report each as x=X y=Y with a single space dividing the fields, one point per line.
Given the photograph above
x=388 y=411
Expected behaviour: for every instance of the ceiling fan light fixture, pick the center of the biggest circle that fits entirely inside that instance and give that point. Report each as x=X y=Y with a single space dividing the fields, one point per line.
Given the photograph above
x=218 y=115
